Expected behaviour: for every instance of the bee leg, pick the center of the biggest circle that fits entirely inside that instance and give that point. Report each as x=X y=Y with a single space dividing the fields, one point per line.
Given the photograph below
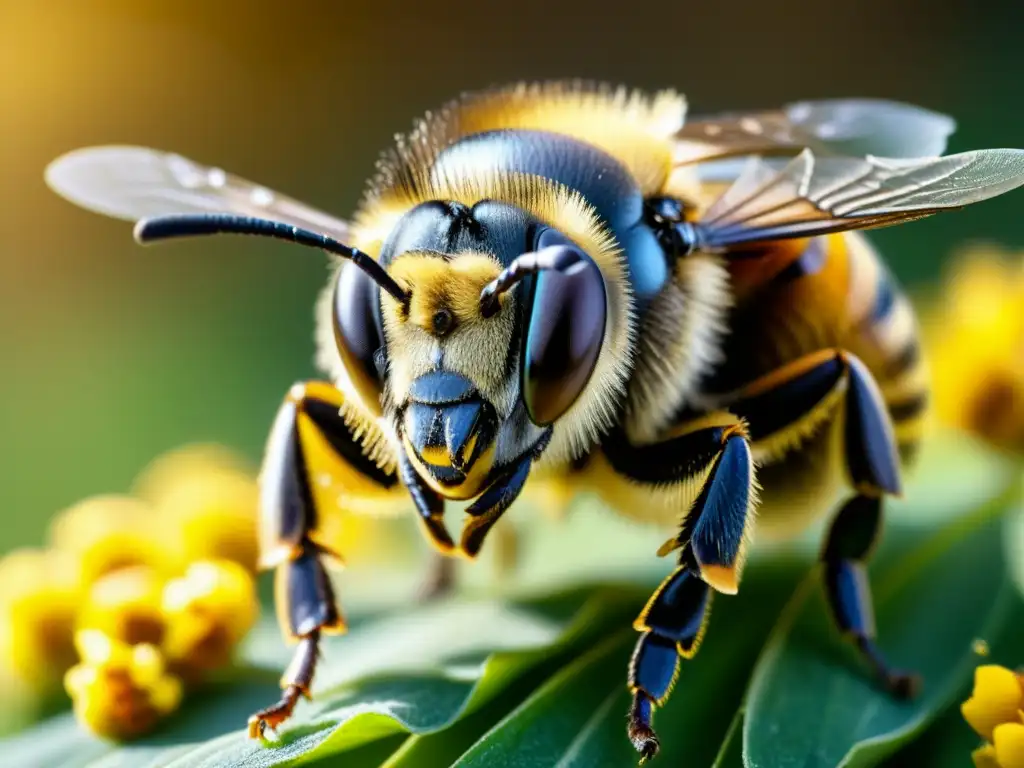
x=850 y=539
x=796 y=400
x=711 y=456
x=309 y=608
x=307 y=432
x=673 y=624
x=872 y=462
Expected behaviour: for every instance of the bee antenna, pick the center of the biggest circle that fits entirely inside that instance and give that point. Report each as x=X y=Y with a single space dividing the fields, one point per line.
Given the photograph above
x=190 y=225
x=557 y=257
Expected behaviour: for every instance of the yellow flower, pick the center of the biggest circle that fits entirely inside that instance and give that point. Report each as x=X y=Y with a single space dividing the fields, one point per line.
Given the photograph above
x=994 y=710
x=207 y=612
x=120 y=691
x=39 y=599
x=106 y=533
x=126 y=605
x=207 y=502
x=213 y=517
x=975 y=338
x=168 y=469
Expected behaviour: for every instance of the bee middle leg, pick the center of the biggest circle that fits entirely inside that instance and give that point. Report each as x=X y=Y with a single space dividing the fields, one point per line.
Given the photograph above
x=790 y=404
x=705 y=468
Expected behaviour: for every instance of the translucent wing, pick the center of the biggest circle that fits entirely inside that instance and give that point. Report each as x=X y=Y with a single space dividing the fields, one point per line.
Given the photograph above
x=136 y=183
x=854 y=127
x=814 y=195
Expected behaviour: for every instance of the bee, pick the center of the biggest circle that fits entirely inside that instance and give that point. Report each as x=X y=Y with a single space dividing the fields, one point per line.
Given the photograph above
x=572 y=284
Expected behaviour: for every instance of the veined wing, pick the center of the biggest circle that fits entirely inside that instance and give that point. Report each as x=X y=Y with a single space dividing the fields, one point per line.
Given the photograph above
x=137 y=183
x=814 y=195
x=853 y=127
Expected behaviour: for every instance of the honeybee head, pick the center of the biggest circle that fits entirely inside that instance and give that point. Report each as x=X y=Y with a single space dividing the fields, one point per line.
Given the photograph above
x=471 y=358
x=477 y=370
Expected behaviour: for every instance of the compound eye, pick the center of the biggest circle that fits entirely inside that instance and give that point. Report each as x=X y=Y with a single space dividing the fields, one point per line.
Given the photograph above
x=357 y=332
x=564 y=332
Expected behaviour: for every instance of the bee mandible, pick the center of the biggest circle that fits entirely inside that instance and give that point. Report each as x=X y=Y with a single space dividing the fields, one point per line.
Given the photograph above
x=573 y=284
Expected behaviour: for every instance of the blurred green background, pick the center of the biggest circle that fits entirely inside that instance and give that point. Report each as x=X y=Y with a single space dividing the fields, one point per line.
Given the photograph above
x=111 y=354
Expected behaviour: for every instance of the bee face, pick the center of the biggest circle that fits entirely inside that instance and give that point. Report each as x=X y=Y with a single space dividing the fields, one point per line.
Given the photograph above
x=451 y=371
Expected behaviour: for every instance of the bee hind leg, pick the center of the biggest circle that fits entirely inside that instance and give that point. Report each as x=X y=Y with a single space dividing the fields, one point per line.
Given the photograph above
x=309 y=435
x=847 y=547
x=872 y=461
x=790 y=404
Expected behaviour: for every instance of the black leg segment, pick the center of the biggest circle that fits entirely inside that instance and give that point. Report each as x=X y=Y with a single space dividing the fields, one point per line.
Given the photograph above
x=672 y=624
x=308 y=420
x=850 y=541
x=871 y=453
x=706 y=468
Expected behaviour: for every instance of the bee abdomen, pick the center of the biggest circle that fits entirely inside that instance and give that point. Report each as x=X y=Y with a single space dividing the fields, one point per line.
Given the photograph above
x=887 y=326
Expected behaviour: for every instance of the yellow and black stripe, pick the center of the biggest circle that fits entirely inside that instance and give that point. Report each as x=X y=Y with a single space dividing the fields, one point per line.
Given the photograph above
x=888 y=339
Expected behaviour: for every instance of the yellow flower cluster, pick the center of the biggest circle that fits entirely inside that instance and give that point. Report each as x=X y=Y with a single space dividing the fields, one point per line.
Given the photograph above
x=996 y=711
x=137 y=596
x=974 y=333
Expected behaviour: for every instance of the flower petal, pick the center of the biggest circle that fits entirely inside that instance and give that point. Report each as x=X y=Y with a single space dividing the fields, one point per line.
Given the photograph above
x=985 y=757
x=997 y=697
x=1008 y=740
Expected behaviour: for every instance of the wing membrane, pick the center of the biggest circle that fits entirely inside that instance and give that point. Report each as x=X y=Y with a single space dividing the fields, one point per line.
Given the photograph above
x=814 y=195
x=136 y=183
x=854 y=127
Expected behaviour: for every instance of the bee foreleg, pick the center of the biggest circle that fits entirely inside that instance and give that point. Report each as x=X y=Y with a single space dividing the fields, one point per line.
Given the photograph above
x=306 y=607
x=308 y=429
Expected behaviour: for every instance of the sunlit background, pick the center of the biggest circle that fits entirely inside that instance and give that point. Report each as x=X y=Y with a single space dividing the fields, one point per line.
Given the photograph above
x=111 y=354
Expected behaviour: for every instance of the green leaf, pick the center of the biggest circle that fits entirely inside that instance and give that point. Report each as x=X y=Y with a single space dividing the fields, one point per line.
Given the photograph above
x=466 y=652
x=949 y=741
x=1015 y=546
x=812 y=704
x=577 y=718
x=541 y=681
x=574 y=720
x=730 y=754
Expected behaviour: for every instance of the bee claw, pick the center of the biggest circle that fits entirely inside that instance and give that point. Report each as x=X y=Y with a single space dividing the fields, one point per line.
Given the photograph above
x=904 y=685
x=645 y=741
x=640 y=732
x=271 y=717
